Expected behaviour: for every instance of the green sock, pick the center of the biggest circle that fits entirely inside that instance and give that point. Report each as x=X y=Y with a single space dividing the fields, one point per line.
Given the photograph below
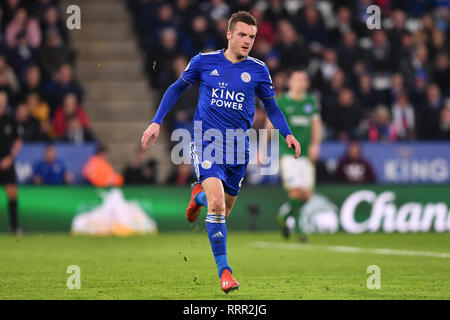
x=297 y=205
x=289 y=209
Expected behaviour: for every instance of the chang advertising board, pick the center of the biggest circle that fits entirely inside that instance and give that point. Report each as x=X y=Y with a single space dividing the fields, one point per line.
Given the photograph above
x=388 y=215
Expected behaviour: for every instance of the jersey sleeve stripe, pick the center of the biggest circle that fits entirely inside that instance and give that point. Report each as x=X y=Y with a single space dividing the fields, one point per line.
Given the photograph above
x=185 y=80
x=257 y=61
x=208 y=53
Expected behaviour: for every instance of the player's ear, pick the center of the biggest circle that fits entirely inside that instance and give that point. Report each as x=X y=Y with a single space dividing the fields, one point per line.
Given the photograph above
x=228 y=34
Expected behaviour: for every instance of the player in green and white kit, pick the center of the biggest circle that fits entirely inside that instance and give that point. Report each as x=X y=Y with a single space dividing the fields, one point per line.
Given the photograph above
x=298 y=175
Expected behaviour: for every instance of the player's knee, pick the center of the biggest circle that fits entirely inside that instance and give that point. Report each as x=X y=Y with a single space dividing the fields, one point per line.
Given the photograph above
x=216 y=204
x=11 y=192
x=301 y=194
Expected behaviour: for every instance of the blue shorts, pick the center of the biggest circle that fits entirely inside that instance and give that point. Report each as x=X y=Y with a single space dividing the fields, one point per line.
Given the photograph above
x=231 y=175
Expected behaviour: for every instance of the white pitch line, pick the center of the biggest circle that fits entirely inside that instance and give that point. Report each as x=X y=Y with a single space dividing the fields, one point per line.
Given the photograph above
x=295 y=246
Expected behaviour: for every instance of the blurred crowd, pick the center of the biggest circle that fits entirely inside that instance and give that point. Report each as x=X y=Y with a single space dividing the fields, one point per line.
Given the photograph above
x=380 y=85
x=37 y=83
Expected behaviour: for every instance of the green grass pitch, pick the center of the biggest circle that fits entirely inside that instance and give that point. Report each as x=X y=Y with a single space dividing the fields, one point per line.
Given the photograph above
x=181 y=266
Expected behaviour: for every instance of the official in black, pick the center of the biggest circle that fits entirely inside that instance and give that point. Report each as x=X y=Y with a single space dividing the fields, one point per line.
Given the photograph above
x=10 y=144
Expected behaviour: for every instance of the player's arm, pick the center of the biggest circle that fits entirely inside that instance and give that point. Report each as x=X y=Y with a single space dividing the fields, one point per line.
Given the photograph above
x=169 y=99
x=190 y=75
x=278 y=120
x=266 y=93
x=316 y=137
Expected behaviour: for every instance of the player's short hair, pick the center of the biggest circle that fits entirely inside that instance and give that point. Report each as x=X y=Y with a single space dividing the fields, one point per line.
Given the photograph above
x=293 y=70
x=242 y=16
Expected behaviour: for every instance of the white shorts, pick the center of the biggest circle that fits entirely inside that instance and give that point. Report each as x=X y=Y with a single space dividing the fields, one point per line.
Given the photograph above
x=297 y=173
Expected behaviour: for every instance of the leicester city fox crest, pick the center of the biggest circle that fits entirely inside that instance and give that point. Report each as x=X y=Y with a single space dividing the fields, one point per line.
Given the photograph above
x=246 y=77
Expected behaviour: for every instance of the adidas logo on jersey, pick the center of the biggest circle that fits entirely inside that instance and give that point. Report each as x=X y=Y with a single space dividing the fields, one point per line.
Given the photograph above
x=217 y=235
x=215 y=73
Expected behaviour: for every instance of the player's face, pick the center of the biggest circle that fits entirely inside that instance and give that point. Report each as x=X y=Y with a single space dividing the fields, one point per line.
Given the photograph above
x=241 y=39
x=299 y=81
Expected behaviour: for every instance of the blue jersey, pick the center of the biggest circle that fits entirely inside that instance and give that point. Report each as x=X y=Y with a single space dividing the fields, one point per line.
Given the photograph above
x=227 y=90
x=51 y=173
x=226 y=104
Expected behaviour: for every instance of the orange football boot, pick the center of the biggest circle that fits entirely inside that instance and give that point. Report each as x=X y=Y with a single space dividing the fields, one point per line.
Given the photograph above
x=193 y=210
x=227 y=282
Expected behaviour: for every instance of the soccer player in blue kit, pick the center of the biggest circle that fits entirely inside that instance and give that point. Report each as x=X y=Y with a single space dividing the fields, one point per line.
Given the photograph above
x=229 y=80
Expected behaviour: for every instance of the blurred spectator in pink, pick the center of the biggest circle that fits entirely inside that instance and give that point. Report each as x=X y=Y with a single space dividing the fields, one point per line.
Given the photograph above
x=23 y=23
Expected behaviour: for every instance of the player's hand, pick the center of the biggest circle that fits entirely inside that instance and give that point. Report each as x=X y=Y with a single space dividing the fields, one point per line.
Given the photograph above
x=152 y=132
x=6 y=162
x=292 y=142
x=313 y=152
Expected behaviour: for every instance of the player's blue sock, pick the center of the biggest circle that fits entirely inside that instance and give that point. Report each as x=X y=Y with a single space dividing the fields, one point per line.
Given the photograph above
x=200 y=199
x=217 y=233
